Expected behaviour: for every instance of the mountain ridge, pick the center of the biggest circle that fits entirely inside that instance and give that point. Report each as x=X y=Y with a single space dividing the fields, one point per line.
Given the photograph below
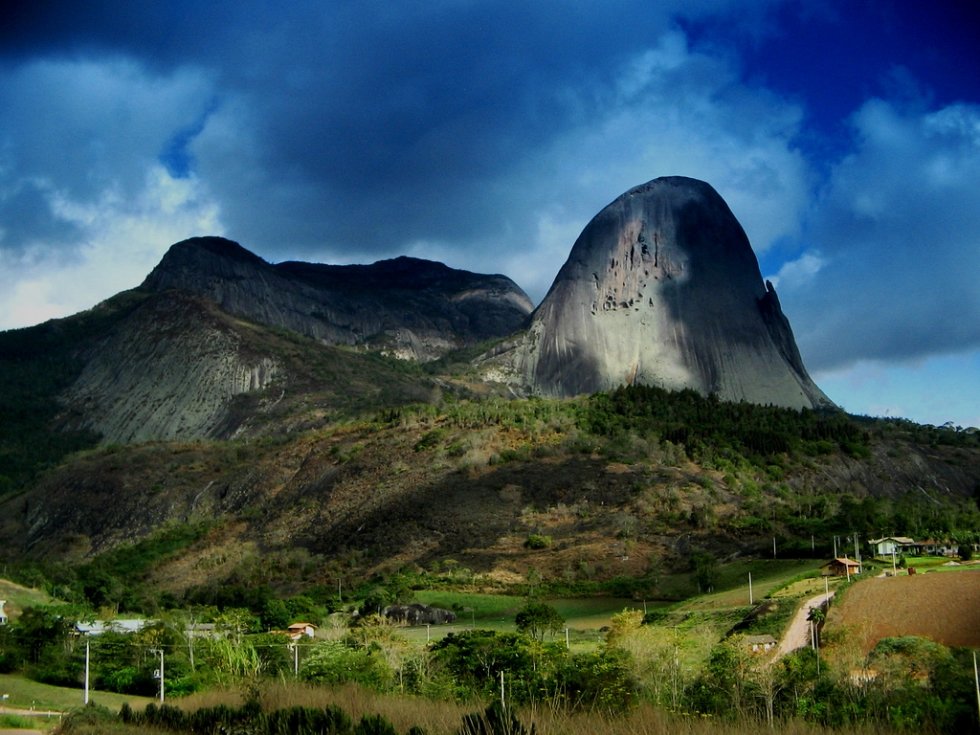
x=410 y=307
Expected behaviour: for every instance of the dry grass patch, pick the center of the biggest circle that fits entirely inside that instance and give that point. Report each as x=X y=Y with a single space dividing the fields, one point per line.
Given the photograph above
x=445 y=718
x=402 y=711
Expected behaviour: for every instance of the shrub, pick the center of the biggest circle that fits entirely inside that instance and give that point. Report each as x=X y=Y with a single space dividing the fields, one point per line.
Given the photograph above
x=374 y=725
x=430 y=439
x=601 y=681
x=335 y=663
x=537 y=541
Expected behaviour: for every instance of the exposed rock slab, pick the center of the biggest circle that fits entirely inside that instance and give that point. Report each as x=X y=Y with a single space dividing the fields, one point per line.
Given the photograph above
x=169 y=371
x=661 y=288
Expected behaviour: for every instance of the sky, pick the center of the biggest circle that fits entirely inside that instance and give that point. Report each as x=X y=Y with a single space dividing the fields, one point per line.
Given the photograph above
x=845 y=137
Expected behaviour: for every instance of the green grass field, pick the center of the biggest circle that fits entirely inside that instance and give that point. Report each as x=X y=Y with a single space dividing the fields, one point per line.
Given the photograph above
x=703 y=617
x=26 y=694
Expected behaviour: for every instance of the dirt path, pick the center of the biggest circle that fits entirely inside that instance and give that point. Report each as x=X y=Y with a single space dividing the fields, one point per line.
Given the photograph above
x=798 y=632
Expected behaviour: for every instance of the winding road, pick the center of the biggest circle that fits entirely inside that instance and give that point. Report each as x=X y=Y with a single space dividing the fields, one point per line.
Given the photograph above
x=798 y=632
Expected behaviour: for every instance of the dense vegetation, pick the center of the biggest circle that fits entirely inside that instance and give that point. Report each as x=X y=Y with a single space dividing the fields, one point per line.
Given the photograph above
x=918 y=686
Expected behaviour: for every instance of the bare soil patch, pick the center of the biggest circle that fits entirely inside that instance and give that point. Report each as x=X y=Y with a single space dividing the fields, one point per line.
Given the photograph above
x=942 y=607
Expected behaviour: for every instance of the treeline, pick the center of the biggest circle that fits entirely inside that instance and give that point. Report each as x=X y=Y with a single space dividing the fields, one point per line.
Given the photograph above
x=700 y=422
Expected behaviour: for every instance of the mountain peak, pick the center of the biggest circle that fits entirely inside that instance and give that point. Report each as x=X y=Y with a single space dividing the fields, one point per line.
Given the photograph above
x=214 y=245
x=662 y=288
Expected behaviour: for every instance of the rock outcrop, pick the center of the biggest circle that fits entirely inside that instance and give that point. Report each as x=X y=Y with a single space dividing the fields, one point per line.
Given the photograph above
x=661 y=288
x=417 y=614
x=169 y=371
x=411 y=308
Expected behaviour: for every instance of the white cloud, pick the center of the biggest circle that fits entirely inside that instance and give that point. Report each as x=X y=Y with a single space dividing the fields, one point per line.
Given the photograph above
x=673 y=111
x=87 y=127
x=120 y=240
x=795 y=273
x=898 y=233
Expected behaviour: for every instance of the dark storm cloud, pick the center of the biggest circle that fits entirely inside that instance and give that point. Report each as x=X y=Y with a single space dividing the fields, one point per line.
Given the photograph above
x=365 y=124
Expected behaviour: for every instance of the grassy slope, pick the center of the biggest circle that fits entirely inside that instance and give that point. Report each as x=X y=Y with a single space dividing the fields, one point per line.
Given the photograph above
x=18 y=597
x=25 y=694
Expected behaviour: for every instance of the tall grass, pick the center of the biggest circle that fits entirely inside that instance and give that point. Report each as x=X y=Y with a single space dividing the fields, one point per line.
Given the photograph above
x=444 y=718
x=402 y=711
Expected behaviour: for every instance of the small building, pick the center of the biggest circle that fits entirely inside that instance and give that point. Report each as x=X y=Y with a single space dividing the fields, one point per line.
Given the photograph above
x=301 y=630
x=841 y=567
x=760 y=643
x=3 y=613
x=203 y=630
x=123 y=625
x=940 y=548
x=888 y=545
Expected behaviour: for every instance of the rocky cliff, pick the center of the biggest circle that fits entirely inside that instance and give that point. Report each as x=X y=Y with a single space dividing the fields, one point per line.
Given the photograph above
x=411 y=308
x=170 y=370
x=661 y=288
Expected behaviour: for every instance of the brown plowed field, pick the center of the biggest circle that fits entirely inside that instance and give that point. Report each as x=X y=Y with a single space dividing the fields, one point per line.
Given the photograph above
x=942 y=606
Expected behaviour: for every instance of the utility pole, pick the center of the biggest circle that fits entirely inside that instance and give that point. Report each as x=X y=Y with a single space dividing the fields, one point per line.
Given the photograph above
x=158 y=674
x=751 y=601
x=976 y=679
x=835 y=547
x=816 y=640
x=86 y=668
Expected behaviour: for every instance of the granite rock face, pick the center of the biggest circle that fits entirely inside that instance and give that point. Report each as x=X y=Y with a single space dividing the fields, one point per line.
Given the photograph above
x=661 y=288
x=169 y=371
x=411 y=308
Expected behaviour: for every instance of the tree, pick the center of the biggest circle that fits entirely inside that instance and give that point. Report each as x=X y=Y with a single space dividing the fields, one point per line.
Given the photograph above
x=333 y=662
x=705 y=570
x=236 y=622
x=538 y=618
x=475 y=658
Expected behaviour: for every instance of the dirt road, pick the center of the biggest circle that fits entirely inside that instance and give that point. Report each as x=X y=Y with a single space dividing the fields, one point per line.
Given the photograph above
x=798 y=632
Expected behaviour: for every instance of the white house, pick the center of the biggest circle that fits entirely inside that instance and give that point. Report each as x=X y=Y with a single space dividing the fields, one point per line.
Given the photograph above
x=940 y=548
x=888 y=545
x=760 y=643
